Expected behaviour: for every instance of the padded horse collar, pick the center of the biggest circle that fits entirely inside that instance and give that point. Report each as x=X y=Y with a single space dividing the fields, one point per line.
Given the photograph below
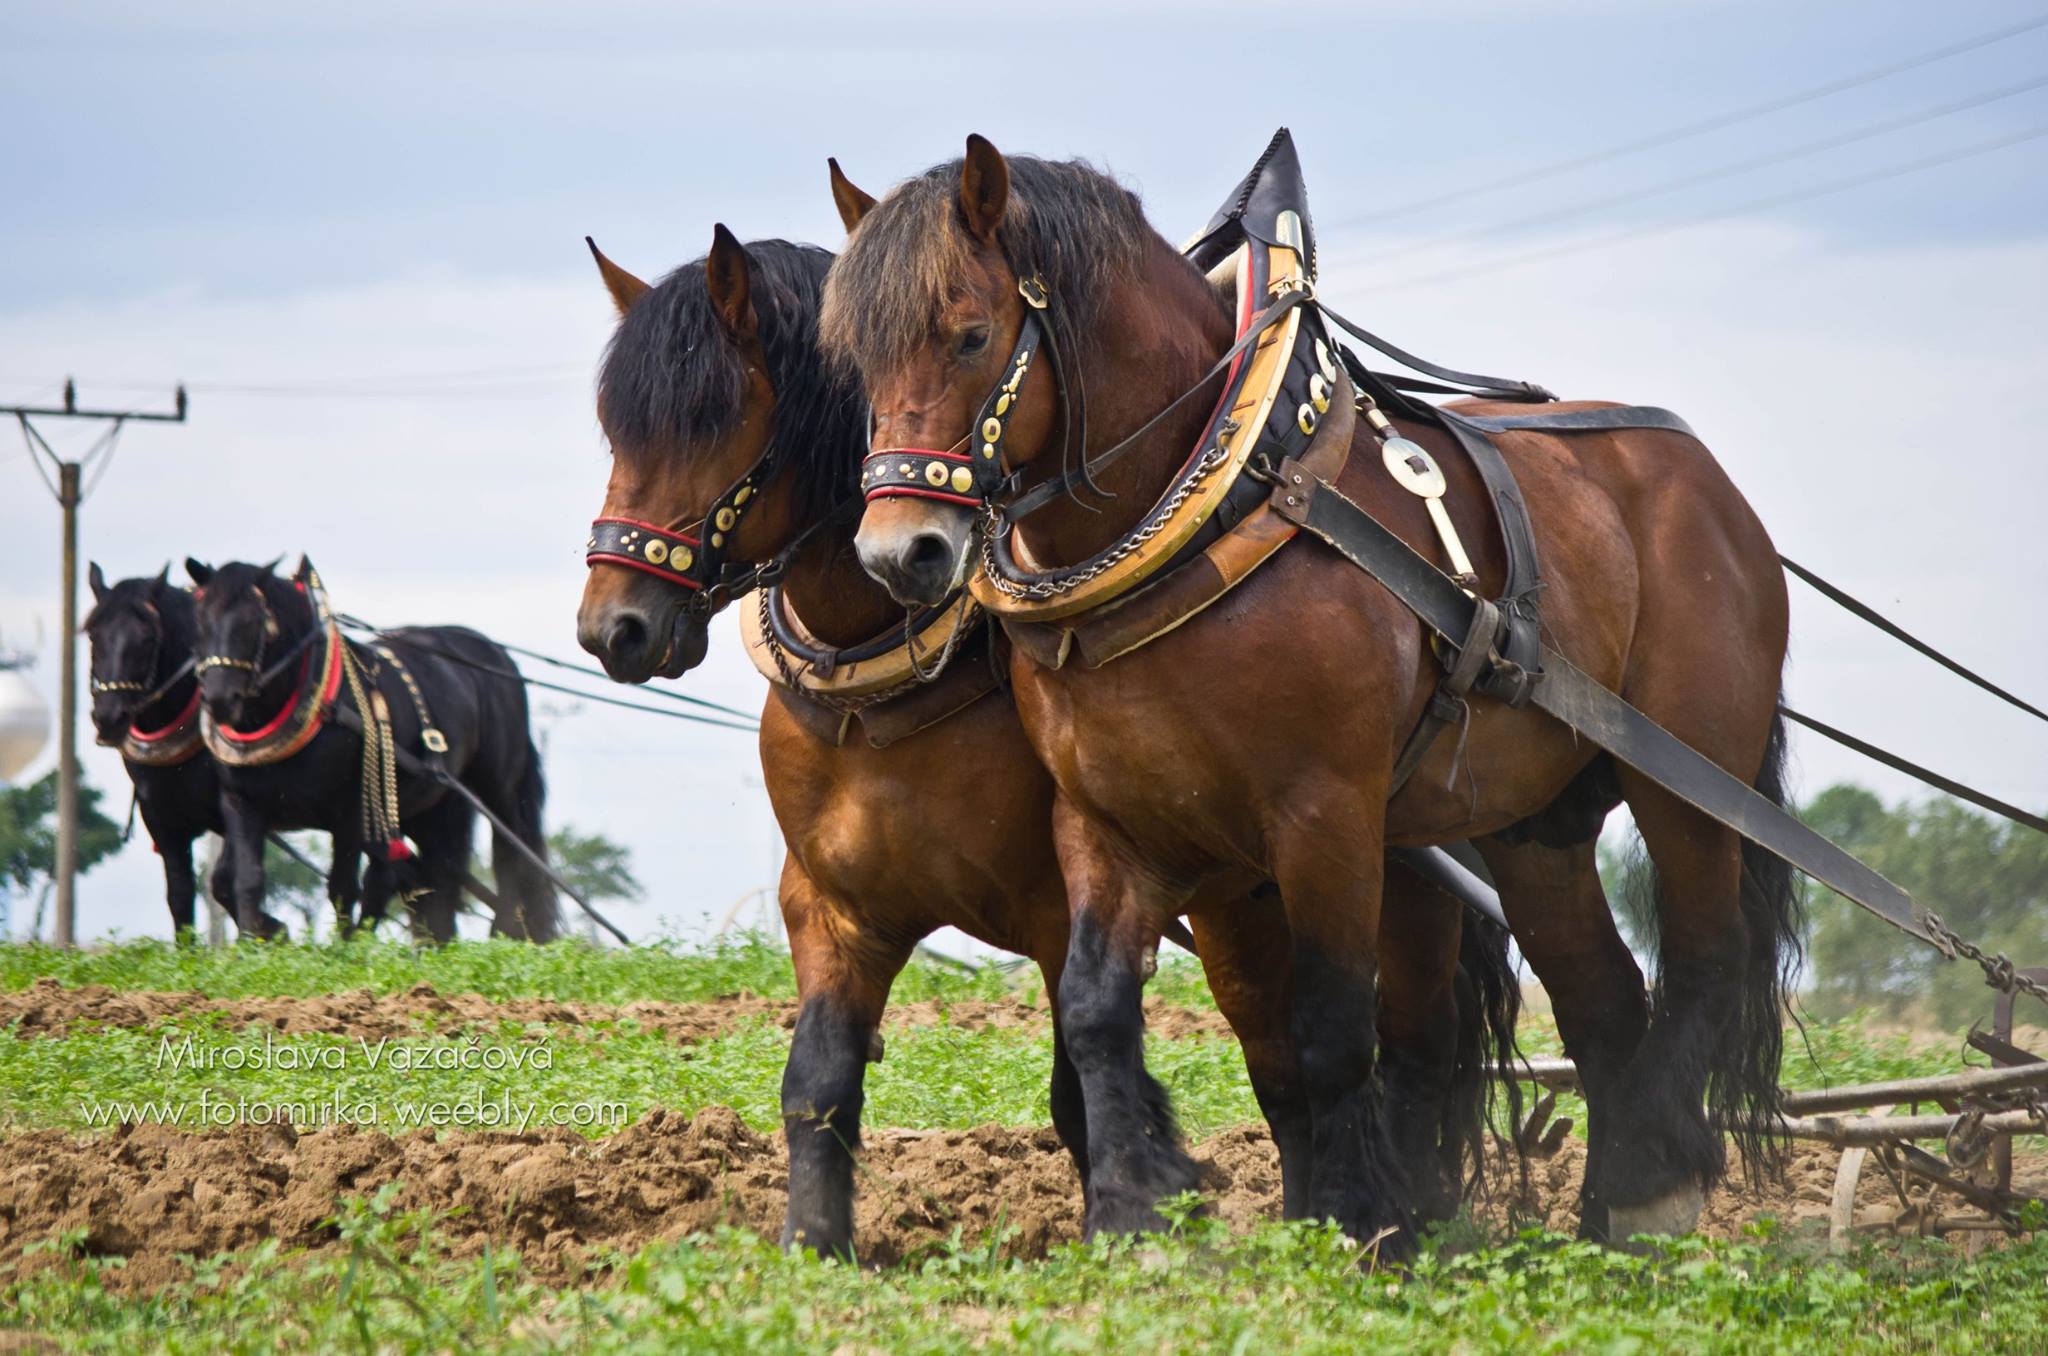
x=175 y=743
x=874 y=671
x=303 y=715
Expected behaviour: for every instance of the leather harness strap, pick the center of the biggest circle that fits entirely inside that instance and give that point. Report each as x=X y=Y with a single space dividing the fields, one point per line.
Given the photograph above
x=1572 y=696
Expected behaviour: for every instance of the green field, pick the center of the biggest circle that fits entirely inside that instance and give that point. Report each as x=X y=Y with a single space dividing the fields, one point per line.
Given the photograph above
x=391 y=1283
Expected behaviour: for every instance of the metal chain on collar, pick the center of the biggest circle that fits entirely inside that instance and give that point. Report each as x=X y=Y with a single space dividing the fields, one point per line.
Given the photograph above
x=1999 y=971
x=845 y=706
x=992 y=523
x=917 y=669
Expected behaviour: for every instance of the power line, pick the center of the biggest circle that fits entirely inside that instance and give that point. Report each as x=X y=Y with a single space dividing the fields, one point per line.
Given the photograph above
x=585 y=669
x=399 y=386
x=1693 y=129
x=419 y=642
x=1587 y=206
x=1706 y=218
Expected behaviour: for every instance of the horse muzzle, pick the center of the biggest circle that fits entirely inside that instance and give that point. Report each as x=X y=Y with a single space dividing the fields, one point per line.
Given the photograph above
x=635 y=645
x=918 y=562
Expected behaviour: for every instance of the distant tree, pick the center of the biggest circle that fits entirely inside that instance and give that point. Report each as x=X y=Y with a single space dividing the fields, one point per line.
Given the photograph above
x=298 y=887
x=595 y=866
x=28 y=836
x=1987 y=878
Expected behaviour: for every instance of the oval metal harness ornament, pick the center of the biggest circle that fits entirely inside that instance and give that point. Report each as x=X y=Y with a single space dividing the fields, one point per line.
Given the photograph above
x=1413 y=469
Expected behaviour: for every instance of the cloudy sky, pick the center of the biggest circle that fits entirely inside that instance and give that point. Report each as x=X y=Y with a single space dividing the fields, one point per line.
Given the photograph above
x=356 y=234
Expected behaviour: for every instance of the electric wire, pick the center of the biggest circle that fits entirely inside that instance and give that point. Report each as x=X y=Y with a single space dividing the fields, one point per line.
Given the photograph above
x=1587 y=206
x=1765 y=204
x=1685 y=131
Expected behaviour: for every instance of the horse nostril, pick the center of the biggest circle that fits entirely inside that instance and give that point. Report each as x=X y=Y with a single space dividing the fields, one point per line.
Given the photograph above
x=929 y=557
x=629 y=634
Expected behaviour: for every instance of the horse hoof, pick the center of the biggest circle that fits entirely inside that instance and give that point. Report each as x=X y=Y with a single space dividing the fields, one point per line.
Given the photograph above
x=1122 y=1210
x=1672 y=1214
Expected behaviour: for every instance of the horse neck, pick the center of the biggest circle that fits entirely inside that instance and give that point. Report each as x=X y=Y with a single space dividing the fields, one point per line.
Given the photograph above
x=836 y=600
x=295 y=617
x=1164 y=330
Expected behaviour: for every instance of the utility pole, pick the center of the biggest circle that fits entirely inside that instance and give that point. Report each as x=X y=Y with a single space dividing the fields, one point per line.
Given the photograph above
x=71 y=491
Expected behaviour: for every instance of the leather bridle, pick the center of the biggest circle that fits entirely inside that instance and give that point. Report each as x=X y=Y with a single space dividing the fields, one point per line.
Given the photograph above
x=258 y=676
x=148 y=696
x=691 y=557
x=976 y=475
x=983 y=478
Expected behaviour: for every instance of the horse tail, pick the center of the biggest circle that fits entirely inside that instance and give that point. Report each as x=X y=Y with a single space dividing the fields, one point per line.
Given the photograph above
x=1489 y=1005
x=528 y=894
x=1742 y=1082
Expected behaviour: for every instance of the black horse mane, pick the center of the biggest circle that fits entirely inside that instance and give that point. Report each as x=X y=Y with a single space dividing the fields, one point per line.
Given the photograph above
x=1066 y=221
x=671 y=372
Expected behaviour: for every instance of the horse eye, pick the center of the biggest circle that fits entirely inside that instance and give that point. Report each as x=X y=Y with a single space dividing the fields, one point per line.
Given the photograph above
x=973 y=341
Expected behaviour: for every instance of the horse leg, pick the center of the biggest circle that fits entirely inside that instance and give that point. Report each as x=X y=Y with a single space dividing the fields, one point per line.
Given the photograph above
x=245 y=837
x=1329 y=864
x=1558 y=911
x=1246 y=956
x=1419 y=1033
x=1069 y=1117
x=1134 y=1153
x=523 y=887
x=1710 y=1060
x=180 y=885
x=445 y=835
x=345 y=887
x=844 y=967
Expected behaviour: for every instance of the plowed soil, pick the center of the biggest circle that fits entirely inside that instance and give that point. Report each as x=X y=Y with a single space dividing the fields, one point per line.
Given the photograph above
x=150 y=1194
x=155 y=1195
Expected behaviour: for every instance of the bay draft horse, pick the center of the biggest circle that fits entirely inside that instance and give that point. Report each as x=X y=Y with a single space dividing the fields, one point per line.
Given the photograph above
x=249 y=624
x=1258 y=739
x=709 y=372
x=145 y=701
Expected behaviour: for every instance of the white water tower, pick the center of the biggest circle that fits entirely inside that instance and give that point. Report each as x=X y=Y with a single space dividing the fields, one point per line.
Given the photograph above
x=24 y=718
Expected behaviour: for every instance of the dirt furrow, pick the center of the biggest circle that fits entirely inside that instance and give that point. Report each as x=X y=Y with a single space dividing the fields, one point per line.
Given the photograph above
x=150 y=1194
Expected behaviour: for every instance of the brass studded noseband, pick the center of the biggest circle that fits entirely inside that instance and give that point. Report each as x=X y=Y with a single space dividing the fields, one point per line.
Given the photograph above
x=689 y=560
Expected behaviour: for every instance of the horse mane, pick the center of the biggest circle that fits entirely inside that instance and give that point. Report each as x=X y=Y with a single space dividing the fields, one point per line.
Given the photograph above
x=672 y=374
x=1067 y=221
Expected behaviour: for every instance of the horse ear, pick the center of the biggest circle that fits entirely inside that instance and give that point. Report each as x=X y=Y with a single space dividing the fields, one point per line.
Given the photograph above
x=305 y=570
x=98 y=582
x=163 y=577
x=984 y=189
x=624 y=287
x=199 y=570
x=731 y=283
x=270 y=567
x=853 y=204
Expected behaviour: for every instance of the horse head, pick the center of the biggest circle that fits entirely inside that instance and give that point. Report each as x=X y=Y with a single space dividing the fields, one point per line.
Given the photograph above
x=729 y=438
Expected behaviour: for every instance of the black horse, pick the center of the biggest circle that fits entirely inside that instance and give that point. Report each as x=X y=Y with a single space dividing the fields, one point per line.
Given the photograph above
x=284 y=696
x=145 y=702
